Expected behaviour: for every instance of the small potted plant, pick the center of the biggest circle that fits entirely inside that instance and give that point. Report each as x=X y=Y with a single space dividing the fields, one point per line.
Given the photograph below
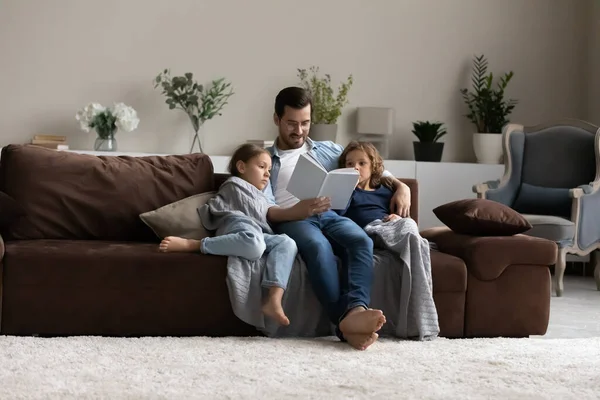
x=428 y=148
x=326 y=105
x=201 y=103
x=488 y=111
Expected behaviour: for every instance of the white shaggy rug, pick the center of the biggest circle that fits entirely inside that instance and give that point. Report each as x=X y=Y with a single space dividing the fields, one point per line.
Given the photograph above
x=261 y=368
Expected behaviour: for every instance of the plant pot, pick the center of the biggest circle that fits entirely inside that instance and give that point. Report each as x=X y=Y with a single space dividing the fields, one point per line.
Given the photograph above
x=323 y=132
x=428 y=151
x=488 y=148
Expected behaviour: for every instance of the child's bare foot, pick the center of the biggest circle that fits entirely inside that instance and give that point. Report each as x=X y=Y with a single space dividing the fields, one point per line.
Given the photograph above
x=272 y=307
x=275 y=311
x=359 y=320
x=178 y=244
x=361 y=341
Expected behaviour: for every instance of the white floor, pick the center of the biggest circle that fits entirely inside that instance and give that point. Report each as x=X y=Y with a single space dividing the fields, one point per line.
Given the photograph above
x=577 y=313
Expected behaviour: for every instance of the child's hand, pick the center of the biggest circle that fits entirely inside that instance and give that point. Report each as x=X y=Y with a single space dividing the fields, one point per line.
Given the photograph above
x=391 y=217
x=309 y=207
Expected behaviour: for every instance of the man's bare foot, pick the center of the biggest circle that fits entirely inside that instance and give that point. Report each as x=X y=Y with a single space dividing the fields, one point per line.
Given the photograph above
x=359 y=320
x=361 y=341
x=272 y=307
x=178 y=244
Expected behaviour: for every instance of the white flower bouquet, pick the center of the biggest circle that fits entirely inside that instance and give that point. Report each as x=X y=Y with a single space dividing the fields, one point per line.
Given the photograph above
x=106 y=121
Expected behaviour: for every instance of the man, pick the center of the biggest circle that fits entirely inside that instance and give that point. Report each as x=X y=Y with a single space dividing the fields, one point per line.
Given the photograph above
x=320 y=233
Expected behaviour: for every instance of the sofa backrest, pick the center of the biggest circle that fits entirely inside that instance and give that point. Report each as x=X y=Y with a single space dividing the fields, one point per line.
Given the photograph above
x=68 y=195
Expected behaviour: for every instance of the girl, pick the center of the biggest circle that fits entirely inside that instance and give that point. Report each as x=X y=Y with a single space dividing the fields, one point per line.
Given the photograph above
x=371 y=198
x=252 y=164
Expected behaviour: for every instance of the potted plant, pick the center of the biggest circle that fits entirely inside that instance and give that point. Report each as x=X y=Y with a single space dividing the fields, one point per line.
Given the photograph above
x=488 y=111
x=106 y=121
x=326 y=105
x=201 y=103
x=427 y=148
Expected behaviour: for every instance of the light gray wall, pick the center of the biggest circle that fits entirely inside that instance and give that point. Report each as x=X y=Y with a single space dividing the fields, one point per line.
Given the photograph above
x=412 y=55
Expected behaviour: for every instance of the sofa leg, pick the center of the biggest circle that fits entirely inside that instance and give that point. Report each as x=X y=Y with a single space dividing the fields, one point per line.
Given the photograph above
x=595 y=258
x=559 y=272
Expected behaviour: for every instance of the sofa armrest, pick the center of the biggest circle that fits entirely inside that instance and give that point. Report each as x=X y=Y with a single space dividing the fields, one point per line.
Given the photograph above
x=413 y=185
x=486 y=257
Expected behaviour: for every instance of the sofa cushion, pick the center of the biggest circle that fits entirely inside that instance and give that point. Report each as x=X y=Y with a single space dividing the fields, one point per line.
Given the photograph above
x=180 y=218
x=481 y=217
x=79 y=196
x=551 y=227
x=81 y=287
x=10 y=210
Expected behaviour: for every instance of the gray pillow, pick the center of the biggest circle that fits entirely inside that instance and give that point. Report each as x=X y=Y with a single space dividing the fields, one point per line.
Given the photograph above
x=179 y=218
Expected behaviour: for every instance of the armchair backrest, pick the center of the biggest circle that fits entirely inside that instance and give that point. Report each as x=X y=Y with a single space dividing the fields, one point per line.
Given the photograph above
x=553 y=159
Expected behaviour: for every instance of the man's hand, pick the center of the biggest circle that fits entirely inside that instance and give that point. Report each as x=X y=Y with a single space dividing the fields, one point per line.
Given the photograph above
x=400 y=202
x=309 y=207
x=391 y=217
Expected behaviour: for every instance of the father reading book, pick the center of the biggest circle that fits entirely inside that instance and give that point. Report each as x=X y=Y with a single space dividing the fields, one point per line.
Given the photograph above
x=321 y=233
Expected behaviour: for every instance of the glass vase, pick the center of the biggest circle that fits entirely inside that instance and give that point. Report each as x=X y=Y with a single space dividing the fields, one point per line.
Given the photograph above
x=105 y=141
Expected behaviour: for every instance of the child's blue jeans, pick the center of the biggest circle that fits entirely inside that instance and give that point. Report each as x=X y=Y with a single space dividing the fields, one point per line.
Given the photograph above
x=281 y=252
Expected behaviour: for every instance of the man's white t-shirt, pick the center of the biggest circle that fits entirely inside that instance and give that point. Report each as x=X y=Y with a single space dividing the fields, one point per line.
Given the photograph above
x=288 y=159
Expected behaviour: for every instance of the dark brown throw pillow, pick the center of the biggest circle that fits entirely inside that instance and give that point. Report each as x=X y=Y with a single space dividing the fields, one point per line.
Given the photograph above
x=10 y=210
x=481 y=217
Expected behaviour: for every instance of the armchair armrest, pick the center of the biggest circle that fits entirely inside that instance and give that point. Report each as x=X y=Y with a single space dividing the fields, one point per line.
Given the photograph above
x=586 y=215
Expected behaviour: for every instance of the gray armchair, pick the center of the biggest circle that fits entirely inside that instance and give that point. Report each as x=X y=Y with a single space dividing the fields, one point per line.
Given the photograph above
x=552 y=177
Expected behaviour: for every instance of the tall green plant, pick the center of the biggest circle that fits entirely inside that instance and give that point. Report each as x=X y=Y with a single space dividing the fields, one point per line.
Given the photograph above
x=201 y=103
x=488 y=109
x=427 y=131
x=327 y=107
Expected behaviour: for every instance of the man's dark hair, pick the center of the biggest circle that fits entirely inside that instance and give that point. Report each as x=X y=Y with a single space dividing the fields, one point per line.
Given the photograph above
x=294 y=97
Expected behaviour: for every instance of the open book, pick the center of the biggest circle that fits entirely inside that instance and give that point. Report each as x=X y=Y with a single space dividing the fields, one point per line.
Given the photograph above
x=310 y=180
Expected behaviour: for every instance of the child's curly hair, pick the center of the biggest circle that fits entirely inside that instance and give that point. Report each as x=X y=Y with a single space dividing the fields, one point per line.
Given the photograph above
x=374 y=157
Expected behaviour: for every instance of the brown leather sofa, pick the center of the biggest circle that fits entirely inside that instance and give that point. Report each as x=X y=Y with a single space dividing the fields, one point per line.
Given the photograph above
x=77 y=259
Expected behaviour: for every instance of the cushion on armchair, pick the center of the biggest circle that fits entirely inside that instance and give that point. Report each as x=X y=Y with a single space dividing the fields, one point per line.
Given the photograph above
x=540 y=200
x=481 y=217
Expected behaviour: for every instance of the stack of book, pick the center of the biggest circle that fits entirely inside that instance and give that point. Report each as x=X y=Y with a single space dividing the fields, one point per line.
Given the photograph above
x=261 y=142
x=51 y=141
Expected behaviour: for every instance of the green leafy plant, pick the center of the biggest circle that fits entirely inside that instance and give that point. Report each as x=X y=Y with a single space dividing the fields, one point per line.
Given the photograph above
x=200 y=102
x=427 y=131
x=326 y=107
x=488 y=109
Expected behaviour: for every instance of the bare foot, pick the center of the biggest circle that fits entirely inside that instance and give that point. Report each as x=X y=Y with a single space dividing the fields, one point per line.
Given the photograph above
x=361 y=341
x=177 y=244
x=272 y=306
x=359 y=320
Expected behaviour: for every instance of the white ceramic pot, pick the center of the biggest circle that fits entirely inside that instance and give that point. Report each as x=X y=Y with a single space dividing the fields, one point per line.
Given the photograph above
x=488 y=148
x=322 y=132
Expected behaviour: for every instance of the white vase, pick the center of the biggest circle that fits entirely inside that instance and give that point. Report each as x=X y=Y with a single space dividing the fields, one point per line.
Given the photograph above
x=323 y=132
x=488 y=148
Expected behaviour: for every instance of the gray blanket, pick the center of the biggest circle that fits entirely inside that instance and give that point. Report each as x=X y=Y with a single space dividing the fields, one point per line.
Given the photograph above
x=412 y=313
x=399 y=287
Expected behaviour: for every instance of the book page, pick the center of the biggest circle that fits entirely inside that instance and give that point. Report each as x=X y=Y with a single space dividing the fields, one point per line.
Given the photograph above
x=339 y=185
x=307 y=178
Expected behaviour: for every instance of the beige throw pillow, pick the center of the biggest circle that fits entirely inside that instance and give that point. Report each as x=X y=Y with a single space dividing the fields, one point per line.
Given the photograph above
x=179 y=218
